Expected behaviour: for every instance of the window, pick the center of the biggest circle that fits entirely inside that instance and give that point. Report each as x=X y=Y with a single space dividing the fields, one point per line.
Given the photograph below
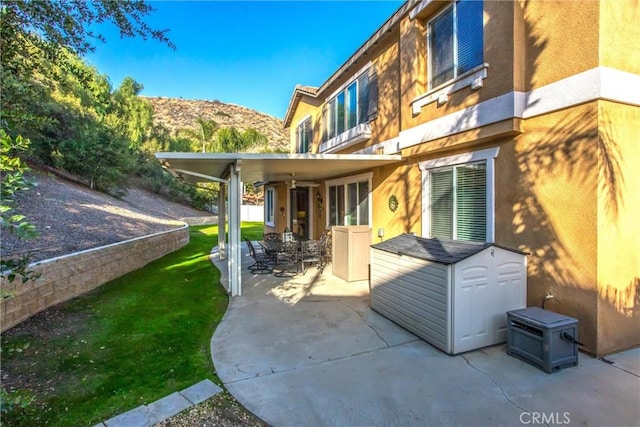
x=458 y=202
x=348 y=201
x=303 y=136
x=269 y=207
x=347 y=108
x=455 y=41
x=458 y=196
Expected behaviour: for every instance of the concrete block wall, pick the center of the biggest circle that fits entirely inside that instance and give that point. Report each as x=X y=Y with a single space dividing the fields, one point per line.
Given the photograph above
x=69 y=276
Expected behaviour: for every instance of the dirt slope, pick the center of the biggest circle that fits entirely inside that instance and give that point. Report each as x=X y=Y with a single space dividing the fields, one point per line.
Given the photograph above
x=71 y=217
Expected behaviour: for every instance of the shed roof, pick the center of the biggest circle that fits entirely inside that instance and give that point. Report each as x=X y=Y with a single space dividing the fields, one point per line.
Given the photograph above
x=444 y=251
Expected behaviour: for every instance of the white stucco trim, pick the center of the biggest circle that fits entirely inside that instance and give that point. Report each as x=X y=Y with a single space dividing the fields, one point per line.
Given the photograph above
x=598 y=83
x=388 y=146
x=302 y=120
x=488 y=155
x=473 y=78
x=491 y=111
x=356 y=134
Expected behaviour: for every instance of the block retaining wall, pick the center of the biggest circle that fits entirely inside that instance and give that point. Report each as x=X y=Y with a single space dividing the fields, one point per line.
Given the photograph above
x=69 y=276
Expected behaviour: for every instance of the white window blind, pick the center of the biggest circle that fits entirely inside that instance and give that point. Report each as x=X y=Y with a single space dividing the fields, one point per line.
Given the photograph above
x=458 y=201
x=455 y=41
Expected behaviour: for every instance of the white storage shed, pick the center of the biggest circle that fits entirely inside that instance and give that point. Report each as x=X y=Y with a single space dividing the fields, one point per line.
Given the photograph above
x=453 y=294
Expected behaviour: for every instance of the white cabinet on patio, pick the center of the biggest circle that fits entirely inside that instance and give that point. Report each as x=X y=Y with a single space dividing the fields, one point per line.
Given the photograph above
x=453 y=294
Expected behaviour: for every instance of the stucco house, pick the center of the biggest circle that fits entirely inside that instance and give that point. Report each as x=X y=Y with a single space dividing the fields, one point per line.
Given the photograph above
x=517 y=123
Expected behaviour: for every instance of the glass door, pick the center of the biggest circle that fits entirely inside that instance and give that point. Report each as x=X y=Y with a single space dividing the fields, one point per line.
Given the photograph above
x=300 y=211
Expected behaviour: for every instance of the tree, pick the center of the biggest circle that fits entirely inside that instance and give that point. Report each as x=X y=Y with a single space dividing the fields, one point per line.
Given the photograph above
x=66 y=24
x=135 y=113
x=230 y=140
x=203 y=132
x=12 y=170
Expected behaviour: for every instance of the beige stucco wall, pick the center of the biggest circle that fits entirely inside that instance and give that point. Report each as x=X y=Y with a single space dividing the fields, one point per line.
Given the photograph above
x=618 y=190
x=404 y=183
x=561 y=39
x=307 y=106
x=387 y=65
x=619 y=35
x=546 y=205
x=72 y=275
x=280 y=202
x=567 y=186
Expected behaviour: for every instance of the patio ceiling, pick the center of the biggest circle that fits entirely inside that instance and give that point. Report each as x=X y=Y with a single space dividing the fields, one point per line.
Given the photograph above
x=255 y=167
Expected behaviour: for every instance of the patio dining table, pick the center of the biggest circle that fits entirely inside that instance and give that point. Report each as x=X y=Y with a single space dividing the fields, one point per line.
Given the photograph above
x=271 y=247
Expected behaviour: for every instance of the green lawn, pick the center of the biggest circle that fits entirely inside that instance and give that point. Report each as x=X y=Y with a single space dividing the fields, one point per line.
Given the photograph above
x=130 y=342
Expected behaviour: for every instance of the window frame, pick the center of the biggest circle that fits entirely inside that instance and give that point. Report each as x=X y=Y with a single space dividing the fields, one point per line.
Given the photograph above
x=344 y=182
x=456 y=75
x=300 y=131
x=331 y=128
x=488 y=156
x=269 y=207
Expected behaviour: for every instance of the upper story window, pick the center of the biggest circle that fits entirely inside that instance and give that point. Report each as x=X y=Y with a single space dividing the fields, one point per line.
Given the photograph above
x=347 y=109
x=455 y=41
x=303 y=136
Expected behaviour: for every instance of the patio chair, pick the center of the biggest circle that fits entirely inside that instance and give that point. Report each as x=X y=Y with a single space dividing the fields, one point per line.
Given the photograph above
x=268 y=237
x=261 y=264
x=287 y=260
x=325 y=244
x=310 y=253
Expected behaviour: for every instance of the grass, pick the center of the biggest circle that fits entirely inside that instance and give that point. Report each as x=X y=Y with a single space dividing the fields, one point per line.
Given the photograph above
x=130 y=342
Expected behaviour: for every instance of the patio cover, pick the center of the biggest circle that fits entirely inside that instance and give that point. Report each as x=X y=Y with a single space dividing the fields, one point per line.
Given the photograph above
x=231 y=169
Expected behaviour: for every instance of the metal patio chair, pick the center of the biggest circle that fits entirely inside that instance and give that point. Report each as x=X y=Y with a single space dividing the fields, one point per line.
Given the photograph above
x=261 y=264
x=287 y=260
x=310 y=253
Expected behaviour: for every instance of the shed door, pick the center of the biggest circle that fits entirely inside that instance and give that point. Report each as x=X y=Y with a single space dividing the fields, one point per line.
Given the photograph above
x=486 y=286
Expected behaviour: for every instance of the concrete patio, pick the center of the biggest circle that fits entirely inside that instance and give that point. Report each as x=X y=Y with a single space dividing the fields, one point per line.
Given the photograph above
x=309 y=351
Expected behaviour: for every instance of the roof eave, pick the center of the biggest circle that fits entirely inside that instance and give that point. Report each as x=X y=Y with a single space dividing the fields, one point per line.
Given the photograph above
x=375 y=38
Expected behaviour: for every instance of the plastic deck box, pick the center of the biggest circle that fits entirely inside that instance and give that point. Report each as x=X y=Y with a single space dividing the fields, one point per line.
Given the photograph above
x=543 y=338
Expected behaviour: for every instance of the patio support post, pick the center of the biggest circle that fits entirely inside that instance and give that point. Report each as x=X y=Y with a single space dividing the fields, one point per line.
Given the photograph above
x=235 y=257
x=222 y=222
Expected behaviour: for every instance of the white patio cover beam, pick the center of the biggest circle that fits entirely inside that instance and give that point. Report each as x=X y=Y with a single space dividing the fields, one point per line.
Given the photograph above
x=222 y=222
x=235 y=256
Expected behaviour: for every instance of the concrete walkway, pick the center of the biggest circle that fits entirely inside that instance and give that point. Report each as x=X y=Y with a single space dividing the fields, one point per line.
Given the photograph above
x=167 y=407
x=309 y=351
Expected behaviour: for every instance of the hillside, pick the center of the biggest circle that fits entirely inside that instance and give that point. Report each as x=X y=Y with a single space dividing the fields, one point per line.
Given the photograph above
x=174 y=114
x=71 y=217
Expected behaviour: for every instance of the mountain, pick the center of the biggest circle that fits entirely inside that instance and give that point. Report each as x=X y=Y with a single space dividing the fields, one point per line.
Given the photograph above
x=178 y=113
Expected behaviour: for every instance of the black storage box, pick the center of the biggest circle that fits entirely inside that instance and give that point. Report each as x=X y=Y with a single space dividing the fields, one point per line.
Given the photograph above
x=543 y=338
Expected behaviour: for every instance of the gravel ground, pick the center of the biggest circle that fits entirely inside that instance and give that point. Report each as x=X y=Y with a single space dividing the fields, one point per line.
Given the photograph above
x=221 y=410
x=71 y=217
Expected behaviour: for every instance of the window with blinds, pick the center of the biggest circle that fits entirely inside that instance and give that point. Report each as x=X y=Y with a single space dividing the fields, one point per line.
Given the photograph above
x=458 y=201
x=455 y=41
x=303 y=136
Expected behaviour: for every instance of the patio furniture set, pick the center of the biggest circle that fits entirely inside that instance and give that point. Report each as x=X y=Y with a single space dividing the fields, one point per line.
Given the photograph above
x=288 y=254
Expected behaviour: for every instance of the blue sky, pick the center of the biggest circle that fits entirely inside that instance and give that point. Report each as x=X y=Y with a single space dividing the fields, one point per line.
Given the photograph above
x=247 y=53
